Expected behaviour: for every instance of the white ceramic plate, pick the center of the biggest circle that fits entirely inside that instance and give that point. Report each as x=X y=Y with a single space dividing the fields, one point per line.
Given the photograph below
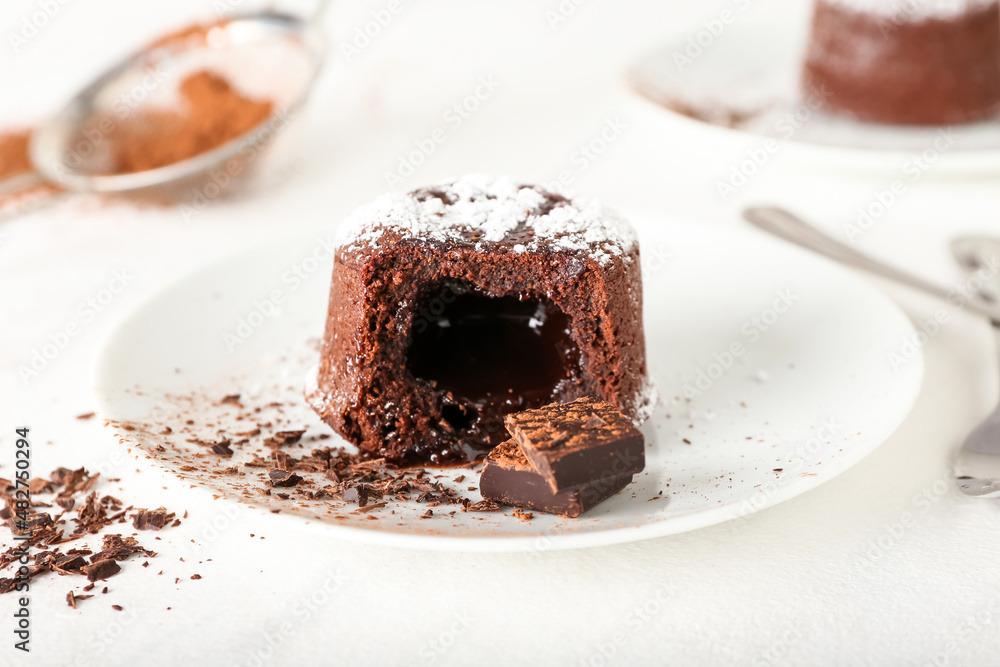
x=772 y=368
x=750 y=71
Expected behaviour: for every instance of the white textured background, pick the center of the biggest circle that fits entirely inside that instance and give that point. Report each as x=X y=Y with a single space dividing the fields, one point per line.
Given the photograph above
x=802 y=583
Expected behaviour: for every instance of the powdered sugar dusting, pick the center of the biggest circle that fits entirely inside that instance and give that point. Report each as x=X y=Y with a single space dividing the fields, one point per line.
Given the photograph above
x=485 y=211
x=901 y=11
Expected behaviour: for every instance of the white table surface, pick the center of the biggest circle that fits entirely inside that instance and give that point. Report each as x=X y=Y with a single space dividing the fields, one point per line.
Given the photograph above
x=802 y=583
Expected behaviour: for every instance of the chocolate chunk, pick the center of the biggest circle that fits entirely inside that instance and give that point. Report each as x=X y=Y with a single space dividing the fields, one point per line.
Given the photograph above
x=282 y=478
x=101 y=570
x=569 y=447
x=156 y=519
x=66 y=503
x=509 y=479
x=69 y=564
x=356 y=494
x=283 y=438
x=117 y=547
x=222 y=448
x=39 y=485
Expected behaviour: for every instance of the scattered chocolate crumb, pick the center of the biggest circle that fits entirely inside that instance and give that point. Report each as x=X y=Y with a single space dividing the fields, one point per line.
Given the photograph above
x=80 y=514
x=231 y=399
x=117 y=607
x=102 y=569
x=222 y=448
x=284 y=439
x=156 y=519
x=483 y=506
x=196 y=576
x=85 y=415
x=282 y=478
x=72 y=598
x=369 y=508
x=356 y=494
x=686 y=441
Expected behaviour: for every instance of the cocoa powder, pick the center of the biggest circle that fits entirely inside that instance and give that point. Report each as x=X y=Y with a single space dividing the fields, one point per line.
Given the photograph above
x=14 y=153
x=213 y=113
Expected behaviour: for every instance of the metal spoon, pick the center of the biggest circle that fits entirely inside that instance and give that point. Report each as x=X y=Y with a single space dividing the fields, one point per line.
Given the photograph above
x=977 y=465
x=789 y=227
x=64 y=154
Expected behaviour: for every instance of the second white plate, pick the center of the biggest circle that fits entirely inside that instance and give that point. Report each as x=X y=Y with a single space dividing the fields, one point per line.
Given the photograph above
x=745 y=81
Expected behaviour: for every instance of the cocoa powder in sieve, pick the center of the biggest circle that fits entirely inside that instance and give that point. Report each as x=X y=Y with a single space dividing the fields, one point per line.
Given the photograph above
x=212 y=114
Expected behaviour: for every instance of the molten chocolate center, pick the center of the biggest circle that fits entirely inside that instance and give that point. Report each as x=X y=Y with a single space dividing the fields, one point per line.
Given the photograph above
x=501 y=353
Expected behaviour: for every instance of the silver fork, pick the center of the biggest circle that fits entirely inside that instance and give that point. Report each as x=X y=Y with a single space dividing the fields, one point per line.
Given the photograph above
x=977 y=464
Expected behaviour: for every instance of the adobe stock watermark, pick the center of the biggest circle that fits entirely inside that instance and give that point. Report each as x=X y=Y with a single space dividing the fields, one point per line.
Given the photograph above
x=300 y=613
x=219 y=180
x=124 y=105
x=777 y=651
x=133 y=610
x=785 y=127
x=562 y=12
x=975 y=623
x=365 y=35
x=587 y=153
x=655 y=259
x=912 y=170
x=890 y=536
x=927 y=329
x=711 y=29
x=751 y=330
x=87 y=311
x=796 y=466
x=269 y=305
x=638 y=617
x=433 y=650
x=900 y=13
x=32 y=24
x=454 y=117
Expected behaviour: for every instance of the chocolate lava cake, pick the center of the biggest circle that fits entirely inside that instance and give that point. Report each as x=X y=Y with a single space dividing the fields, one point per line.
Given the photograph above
x=455 y=305
x=933 y=62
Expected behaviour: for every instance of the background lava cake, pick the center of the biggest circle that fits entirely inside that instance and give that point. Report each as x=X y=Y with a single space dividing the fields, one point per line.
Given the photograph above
x=928 y=62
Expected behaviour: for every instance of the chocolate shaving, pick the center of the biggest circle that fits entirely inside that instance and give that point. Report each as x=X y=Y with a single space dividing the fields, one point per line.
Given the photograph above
x=156 y=519
x=102 y=569
x=72 y=598
x=284 y=438
x=282 y=478
x=222 y=448
x=483 y=506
